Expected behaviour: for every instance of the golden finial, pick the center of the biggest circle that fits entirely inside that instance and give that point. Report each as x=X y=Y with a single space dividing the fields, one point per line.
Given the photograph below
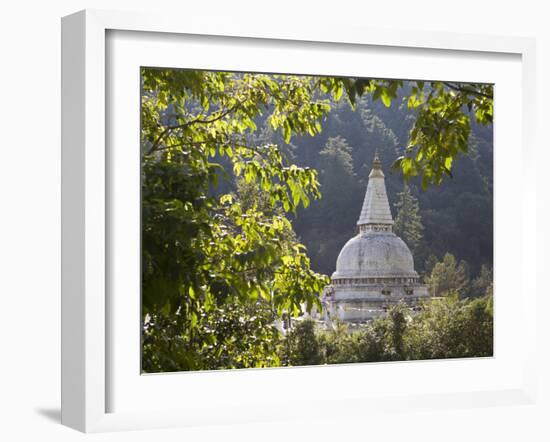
x=376 y=164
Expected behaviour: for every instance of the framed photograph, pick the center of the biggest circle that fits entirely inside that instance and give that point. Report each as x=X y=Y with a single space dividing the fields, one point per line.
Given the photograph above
x=272 y=223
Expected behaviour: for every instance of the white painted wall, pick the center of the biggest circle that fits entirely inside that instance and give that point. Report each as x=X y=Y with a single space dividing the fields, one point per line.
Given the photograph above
x=30 y=216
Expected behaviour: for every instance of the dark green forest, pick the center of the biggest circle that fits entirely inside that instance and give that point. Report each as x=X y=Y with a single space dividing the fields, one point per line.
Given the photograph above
x=456 y=217
x=251 y=184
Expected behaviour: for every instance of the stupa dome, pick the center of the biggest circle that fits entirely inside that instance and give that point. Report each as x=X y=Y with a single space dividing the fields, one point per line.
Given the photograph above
x=375 y=268
x=375 y=255
x=376 y=252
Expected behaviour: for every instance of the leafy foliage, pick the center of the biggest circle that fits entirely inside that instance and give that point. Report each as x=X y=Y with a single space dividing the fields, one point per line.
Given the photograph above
x=217 y=270
x=452 y=328
x=483 y=283
x=448 y=277
x=442 y=127
x=301 y=346
x=408 y=222
x=458 y=208
x=445 y=328
x=220 y=260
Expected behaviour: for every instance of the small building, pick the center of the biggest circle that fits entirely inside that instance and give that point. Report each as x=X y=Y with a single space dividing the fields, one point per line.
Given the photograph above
x=375 y=268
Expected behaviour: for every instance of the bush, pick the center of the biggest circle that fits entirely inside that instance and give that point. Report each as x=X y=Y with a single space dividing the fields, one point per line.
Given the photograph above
x=445 y=328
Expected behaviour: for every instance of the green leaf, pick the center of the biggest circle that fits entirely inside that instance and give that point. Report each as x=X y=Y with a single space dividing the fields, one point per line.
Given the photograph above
x=287 y=132
x=386 y=99
x=338 y=91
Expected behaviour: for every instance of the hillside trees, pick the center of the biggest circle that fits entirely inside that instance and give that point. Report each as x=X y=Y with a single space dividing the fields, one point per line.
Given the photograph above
x=483 y=284
x=452 y=328
x=337 y=177
x=442 y=126
x=445 y=328
x=446 y=216
x=448 y=277
x=324 y=219
x=408 y=222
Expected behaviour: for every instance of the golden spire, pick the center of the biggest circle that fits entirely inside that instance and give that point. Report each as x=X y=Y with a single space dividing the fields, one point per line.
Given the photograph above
x=376 y=164
x=376 y=208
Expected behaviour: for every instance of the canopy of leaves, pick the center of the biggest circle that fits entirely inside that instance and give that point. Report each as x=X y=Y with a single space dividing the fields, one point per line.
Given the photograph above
x=219 y=269
x=448 y=277
x=441 y=128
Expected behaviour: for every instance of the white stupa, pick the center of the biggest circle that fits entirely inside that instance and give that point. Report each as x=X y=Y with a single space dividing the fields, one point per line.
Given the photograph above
x=375 y=268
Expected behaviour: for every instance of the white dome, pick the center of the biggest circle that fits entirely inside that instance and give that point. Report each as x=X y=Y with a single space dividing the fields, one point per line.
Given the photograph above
x=375 y=254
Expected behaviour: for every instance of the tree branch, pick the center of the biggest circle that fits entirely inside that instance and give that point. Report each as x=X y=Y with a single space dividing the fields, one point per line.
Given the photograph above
x=197 y=120
x=467 y=90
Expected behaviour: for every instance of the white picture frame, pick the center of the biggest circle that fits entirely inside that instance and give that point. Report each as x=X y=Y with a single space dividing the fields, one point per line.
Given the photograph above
x=87 y=351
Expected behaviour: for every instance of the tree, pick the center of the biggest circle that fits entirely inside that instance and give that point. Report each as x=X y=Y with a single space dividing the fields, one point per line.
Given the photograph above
x=336 y=174
x=448 y=277
x=340 y=190
x=451 y=328
x=302 y=345
x=217 y=271
x=442 y=125
x=398 y=320
x=376 y=137
x=340 y=345
x=408 y=222
x=483 y=283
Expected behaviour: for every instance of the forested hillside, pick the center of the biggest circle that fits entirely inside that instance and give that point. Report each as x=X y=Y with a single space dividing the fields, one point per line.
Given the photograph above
x=456 y=217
